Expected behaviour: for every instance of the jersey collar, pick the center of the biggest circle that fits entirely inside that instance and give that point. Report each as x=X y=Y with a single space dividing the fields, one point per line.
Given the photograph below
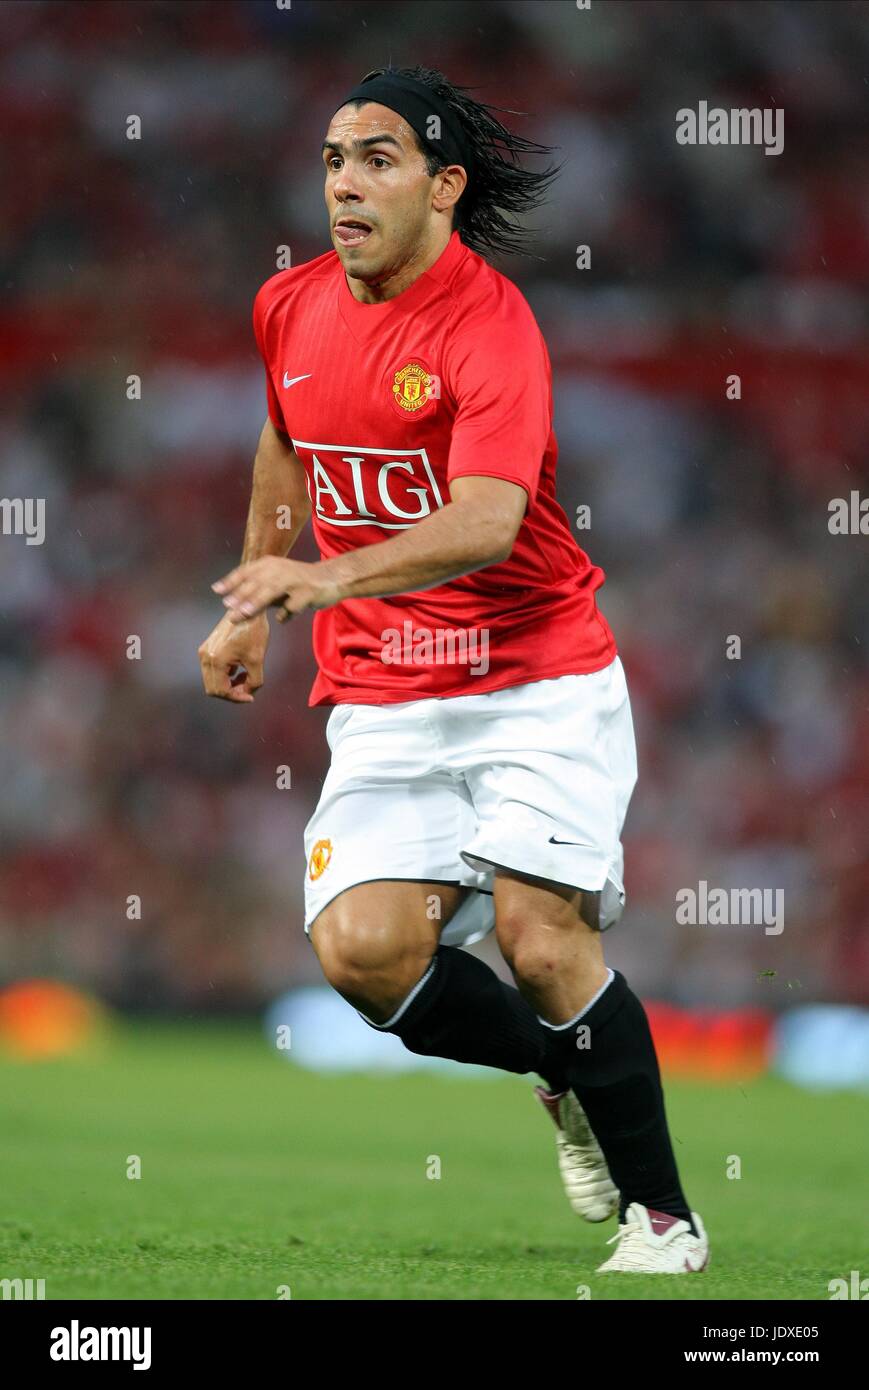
x=365 y=319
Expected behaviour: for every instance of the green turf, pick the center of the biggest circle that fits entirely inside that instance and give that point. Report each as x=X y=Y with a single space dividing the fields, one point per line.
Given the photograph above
x=257 y=1175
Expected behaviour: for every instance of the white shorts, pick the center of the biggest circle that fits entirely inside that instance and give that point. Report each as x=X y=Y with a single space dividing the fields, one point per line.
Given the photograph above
x=535 y=778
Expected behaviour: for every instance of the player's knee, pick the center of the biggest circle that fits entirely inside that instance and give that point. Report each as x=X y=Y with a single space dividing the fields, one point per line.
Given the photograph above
x=538 y=952
x=535 y=958
x=535 y=942
x=521 y=939
x=351 y=953
x=367 y=962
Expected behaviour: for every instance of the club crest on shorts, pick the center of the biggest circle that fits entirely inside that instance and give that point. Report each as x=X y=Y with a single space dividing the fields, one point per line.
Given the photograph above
x=412 y=387
x=320 y=856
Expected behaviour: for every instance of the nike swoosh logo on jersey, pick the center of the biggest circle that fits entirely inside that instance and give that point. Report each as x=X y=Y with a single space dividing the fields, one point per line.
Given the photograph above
x=580 y=843
x=288 y=382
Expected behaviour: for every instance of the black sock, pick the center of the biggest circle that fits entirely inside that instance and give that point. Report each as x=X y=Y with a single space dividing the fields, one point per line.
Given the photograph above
x=463 y=1011
x=618 y=1084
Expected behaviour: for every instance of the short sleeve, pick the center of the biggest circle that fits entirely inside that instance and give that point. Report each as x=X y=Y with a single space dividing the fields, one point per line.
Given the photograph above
x=274 y=408
x=501 y=380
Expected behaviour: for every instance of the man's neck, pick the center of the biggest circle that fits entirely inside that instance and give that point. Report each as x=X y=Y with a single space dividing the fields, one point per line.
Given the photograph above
x=402 y=278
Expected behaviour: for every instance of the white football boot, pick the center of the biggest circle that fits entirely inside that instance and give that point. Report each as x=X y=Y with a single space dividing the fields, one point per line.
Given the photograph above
x=590 y=1189
x=651 y=1242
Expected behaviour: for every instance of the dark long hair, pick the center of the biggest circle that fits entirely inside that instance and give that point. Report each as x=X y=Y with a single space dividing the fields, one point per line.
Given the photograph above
x=500 y=189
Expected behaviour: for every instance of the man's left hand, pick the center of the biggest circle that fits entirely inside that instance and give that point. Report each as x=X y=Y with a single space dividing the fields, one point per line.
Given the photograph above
x=290 y=584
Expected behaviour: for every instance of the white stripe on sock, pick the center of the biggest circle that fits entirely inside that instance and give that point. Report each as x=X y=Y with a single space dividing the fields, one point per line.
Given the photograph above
x=408 y=1001
x=571 y=1023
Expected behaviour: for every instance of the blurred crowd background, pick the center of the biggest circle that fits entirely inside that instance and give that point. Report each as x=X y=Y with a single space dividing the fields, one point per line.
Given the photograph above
x=118 y=257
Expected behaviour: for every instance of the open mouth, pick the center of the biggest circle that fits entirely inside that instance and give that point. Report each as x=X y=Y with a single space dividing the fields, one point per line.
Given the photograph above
x=351 y=232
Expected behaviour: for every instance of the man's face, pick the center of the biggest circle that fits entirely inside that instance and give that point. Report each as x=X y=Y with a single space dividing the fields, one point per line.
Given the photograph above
x=376 y=178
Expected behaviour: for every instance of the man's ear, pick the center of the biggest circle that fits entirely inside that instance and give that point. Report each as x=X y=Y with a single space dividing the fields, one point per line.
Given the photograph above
x=449 y=186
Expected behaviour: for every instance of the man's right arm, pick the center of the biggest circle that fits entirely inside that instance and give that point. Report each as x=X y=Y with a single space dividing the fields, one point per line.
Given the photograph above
x=279 y=508
x=279 y=503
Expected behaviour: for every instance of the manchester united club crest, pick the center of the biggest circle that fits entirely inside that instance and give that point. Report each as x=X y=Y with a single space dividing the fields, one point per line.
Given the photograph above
x=320 y=856
x=412 y=388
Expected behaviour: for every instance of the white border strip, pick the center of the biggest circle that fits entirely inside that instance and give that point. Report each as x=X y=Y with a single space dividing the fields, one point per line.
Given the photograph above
x=408 y=1001
x=560 y=1027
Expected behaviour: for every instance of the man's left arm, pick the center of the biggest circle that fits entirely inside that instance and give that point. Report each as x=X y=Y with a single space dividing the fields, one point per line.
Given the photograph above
x=476 y=528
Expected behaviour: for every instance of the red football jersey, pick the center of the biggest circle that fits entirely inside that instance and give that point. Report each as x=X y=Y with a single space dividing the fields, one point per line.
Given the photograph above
x=385 y=404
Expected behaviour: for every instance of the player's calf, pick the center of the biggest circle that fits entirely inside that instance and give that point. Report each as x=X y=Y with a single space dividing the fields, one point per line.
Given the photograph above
x=547 y=935
x=380 y=951
x=599 y=1032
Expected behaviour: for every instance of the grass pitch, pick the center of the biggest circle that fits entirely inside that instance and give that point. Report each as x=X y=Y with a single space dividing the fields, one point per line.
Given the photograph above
x=256 y=1177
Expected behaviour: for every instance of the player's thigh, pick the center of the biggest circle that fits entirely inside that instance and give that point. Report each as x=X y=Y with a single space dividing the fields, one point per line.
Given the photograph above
x=537 y=917
x=550 y=791
x=384 y=925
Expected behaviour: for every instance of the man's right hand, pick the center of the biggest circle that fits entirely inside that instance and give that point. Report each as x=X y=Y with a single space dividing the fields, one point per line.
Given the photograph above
x=233 y=645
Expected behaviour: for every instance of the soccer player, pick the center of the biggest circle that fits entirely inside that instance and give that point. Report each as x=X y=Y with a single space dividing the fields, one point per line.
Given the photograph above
x=482 y=744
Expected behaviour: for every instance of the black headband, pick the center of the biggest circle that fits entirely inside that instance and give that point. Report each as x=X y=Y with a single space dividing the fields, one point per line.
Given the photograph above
x=417 y=103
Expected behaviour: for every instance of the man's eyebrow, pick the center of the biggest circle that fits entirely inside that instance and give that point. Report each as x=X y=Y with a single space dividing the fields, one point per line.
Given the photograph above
x=363 y=144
